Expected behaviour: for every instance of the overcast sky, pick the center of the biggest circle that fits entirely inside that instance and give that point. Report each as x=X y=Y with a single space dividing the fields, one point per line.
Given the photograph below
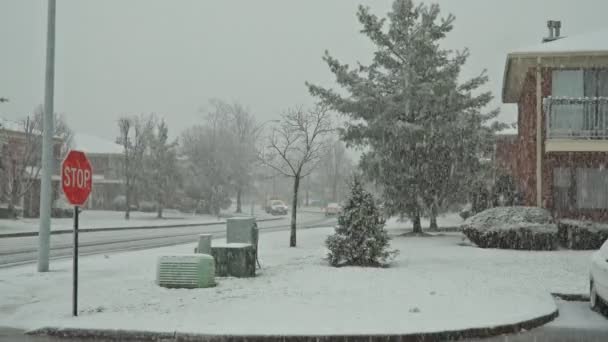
x=117 y=57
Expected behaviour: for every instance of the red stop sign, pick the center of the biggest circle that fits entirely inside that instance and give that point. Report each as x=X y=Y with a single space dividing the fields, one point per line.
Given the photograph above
x=76 y=177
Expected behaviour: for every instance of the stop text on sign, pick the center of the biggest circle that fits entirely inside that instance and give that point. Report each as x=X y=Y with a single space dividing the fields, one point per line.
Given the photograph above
x=76 y=177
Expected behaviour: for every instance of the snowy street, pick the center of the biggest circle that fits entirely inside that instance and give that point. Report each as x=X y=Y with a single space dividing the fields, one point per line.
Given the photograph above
x=23 y=249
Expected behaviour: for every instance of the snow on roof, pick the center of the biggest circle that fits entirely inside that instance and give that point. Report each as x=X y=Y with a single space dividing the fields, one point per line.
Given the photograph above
x=92 y=144
x=586 y=42
x=15 y=126
x=576 y=51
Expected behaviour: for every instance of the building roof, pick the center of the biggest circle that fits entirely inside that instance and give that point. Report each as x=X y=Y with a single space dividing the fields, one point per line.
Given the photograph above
x=582 y=50
x=19 y=127
x=95 y=145
x=581 y=43
x=14 y=126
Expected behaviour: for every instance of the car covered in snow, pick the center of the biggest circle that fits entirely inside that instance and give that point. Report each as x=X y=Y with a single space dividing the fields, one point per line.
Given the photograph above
x=333 y=209
x=276 y=207
x=598 y=279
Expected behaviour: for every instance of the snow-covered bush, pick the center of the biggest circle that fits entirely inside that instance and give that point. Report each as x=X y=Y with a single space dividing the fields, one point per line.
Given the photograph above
x=576 y=234
x=359 y=238
x=527 y=228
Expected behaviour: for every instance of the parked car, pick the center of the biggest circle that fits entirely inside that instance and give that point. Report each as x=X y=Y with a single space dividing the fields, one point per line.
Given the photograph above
x=333 y=209
x=598 y=279
x=276 y=207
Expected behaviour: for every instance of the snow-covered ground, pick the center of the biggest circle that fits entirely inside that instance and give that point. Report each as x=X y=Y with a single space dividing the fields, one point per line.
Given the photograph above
x=107 y=218
x=434 y=284
x=448 y=220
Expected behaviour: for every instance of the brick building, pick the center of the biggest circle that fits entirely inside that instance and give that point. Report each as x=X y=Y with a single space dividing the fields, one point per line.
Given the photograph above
x=106 y=161
x=20 y=163
x=561 y=149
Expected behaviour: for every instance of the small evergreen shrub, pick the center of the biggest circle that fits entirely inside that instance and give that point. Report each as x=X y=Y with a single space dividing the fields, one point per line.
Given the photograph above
x=359 y=238
x=527 y=228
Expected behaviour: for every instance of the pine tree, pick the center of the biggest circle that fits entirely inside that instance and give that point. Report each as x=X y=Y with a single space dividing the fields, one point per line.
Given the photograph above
x=418 y=122
x=359 y=238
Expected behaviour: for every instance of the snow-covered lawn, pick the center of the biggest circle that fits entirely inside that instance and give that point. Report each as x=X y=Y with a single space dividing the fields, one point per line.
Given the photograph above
x=107 y=218
x=435 y=284
x=448 y=220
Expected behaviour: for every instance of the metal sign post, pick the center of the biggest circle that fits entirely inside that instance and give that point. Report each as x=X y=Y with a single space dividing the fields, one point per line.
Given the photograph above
x=75 y=275
x=77 y=183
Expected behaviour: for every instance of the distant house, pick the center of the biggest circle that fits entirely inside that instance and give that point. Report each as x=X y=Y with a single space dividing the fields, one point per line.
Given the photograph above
x=20 y=159
x=561 y=89
x=106 y=160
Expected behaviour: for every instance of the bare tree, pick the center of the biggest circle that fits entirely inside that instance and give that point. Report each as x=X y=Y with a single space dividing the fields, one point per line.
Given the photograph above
x=335 y=169
x=133 y=137
x=295 y=148
x=61 y=128
x=207 y=180
x=236 y=120
x=162 y=160
x=21 y=154
x=20 y=162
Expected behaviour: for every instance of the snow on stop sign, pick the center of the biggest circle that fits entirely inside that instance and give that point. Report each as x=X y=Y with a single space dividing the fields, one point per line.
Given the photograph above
x=76 y=177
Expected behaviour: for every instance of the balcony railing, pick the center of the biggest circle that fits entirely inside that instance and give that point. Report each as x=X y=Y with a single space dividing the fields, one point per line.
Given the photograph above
x=577 y=118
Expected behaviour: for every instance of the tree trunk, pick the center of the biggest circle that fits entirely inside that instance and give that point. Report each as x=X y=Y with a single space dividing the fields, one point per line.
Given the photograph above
x=416 y=222
x=13 y=201
x=307 y=203
x=433 y=216
x=334 y=189
x=11 y=210
x=294 y=207
x=239 y=194
x=127 y=203
x=159 y=209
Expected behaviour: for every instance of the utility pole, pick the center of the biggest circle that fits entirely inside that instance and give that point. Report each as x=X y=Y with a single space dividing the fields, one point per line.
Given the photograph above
x=47 y=144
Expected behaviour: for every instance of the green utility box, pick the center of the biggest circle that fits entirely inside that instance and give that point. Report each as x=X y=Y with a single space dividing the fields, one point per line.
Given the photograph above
x=234 y=260
x=186 y=271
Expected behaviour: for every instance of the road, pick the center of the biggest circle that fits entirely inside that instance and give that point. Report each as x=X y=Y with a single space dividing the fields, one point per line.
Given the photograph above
x=23 y=250
x=576 y=323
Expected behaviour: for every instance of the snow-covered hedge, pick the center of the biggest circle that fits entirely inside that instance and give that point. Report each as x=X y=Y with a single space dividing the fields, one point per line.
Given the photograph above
x=528 y=228
x=576 y=234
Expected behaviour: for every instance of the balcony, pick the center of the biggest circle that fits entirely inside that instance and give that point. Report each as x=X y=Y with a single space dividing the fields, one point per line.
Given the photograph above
x=576 y=124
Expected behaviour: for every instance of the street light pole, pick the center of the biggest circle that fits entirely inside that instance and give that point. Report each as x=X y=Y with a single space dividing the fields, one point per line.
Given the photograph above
x=47 y=145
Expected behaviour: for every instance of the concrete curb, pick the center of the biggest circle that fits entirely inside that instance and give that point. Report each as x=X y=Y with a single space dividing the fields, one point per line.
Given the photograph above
x=572 y=297
x=109 y=229
x=131 y=335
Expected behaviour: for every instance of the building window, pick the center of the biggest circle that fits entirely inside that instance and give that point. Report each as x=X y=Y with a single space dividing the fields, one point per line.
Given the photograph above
x=562 y=183
x=567 y=83
x=591 y=188
x=575 y=118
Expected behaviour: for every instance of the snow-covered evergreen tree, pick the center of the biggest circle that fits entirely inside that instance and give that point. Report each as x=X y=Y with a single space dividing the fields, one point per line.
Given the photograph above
x=359 y=238
x=421 y=125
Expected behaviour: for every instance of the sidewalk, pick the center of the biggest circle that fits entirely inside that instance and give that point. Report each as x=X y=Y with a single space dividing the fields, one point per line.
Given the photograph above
x=106 y=220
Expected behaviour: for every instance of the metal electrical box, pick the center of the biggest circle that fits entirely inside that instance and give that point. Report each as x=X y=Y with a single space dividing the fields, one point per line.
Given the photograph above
x=186 y=271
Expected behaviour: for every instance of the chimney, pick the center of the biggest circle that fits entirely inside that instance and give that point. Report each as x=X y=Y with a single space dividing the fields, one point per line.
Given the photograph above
x=557 y=26
x=554 y=27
